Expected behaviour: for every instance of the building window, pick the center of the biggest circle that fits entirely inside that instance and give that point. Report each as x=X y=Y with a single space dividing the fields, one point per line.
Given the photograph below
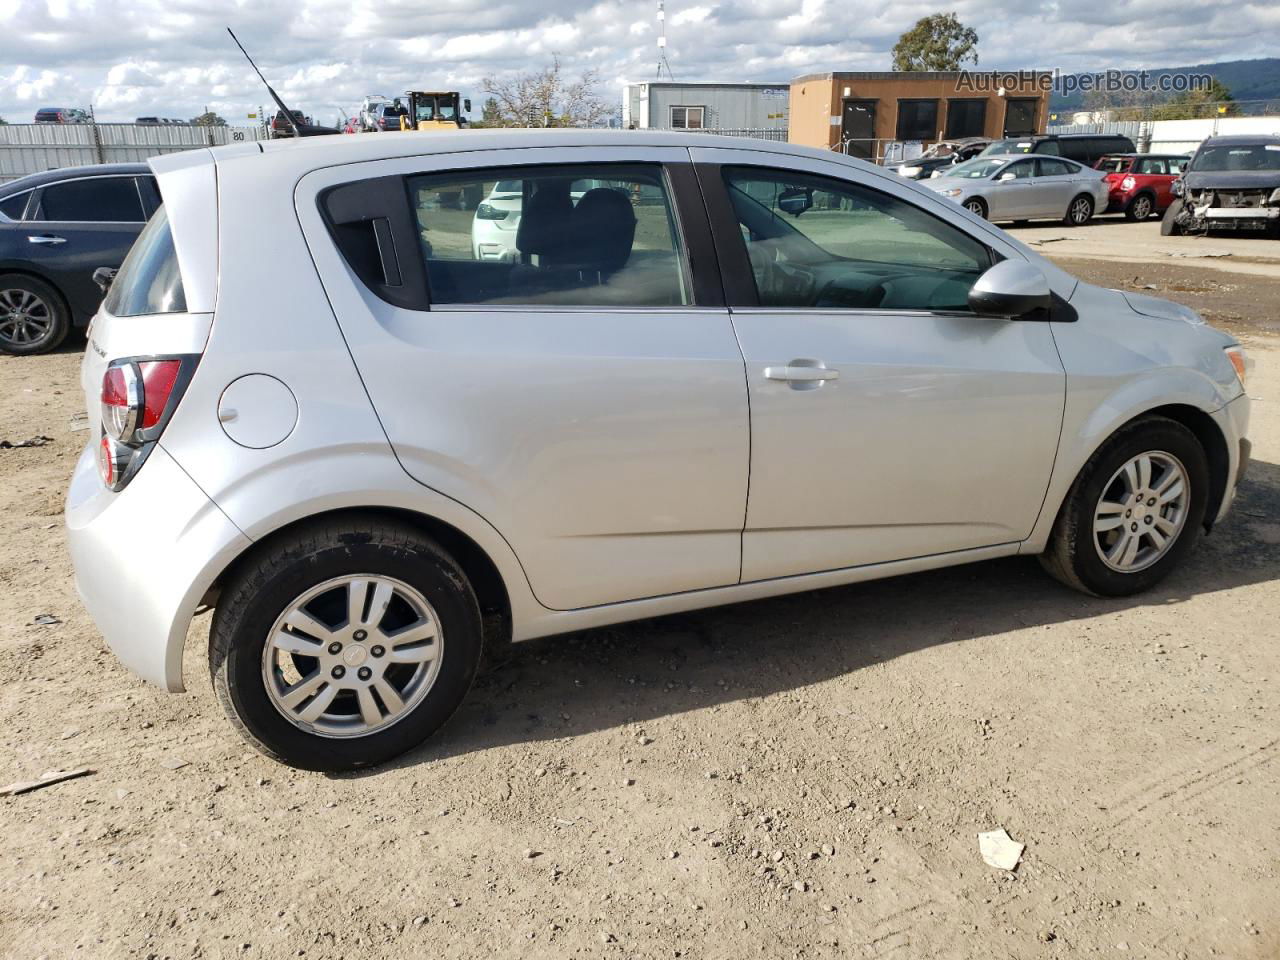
x=687 y=118
x=966 y=118
x=917 y=119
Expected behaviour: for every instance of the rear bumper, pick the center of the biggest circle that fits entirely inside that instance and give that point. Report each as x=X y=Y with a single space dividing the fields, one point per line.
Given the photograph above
x=144 y=558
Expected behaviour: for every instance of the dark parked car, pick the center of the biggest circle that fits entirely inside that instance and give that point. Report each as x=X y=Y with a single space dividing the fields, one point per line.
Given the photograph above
x=1086 y=148
x=56 y=229
x=1232 y=183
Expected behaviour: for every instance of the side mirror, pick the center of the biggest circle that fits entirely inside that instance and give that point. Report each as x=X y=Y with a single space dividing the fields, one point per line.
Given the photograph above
x=1178 y=188
x=466 y=105
x=1012 y=289
x=795 y=201
x=1006 y=177
x=103 y=277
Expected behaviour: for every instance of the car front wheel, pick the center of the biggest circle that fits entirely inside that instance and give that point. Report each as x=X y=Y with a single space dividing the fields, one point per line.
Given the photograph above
x=344 y=645
x=1134 y=511
x=976 y=207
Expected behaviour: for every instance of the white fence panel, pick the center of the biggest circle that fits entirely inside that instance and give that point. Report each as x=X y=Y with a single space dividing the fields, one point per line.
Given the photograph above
x=30 y=148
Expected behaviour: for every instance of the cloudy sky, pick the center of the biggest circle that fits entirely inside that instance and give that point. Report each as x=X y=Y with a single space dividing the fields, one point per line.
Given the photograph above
x=173 y=57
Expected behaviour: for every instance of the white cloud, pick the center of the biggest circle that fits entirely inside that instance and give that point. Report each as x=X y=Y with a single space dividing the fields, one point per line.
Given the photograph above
x=173 y=57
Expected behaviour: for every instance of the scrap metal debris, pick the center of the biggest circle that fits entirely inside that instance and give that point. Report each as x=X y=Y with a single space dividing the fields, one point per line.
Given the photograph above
x=44 y=780
x=44 y=620
x=37 y=441
x=79 y=421
x=1000 y=850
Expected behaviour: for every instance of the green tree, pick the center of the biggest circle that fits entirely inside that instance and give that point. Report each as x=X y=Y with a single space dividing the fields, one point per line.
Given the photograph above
x=937 y=42
x=490 y=115
x=208 y=119
x=1215 y=100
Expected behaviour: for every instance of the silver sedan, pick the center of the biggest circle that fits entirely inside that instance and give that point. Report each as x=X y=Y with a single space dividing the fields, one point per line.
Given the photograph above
x=1019 y=187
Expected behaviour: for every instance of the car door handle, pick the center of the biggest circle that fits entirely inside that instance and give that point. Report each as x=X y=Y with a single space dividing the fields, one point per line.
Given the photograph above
x=801 y=374
x=47 y=239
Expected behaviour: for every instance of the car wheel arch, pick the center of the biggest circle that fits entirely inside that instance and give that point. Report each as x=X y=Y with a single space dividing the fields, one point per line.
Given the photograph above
x=482 y=572
x=25 y=270
x=1194 y=418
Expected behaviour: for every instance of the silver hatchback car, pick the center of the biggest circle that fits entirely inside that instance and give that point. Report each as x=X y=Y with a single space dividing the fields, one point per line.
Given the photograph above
x=716 y=370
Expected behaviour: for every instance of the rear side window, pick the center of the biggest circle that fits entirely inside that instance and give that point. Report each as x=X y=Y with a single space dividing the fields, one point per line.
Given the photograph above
x=13 y=207
x=149 y=280
x=1049 y=167
x=92 y=200
x=588 y=235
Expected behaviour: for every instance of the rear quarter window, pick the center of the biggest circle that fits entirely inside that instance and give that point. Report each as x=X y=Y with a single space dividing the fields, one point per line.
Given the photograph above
x=149 y=280
x=12 y=208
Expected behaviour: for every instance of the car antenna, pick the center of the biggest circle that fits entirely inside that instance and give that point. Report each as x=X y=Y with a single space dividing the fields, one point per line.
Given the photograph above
x=299 y=129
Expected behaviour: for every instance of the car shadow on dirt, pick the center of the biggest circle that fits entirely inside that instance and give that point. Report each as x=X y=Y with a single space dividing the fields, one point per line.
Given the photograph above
x=606 y=678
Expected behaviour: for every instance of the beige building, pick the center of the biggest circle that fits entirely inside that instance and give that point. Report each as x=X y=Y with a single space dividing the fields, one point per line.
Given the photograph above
x=861 y=113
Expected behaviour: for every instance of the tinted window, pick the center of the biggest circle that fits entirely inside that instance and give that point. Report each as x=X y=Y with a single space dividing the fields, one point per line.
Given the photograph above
x=1049 y=167
x=966 y=118
x=149 y=280
x=598 y=235
x=1151 y=166
x=1020 y=170
x=917 y=119
x=93 y=200
x=820 y=243
x=12 y=207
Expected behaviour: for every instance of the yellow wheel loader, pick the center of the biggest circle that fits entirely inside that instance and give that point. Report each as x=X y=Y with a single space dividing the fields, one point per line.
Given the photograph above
x=434 y=111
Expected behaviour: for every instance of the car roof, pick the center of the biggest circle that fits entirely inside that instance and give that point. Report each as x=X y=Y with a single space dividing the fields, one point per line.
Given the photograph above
x=1242 y=139
x=32 y=180
x=304 y=154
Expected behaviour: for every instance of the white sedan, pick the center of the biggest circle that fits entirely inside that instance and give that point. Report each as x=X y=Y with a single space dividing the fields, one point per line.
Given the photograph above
x=1020 y=187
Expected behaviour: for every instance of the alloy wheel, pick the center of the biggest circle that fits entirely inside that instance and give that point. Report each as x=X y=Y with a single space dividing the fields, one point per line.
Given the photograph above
x=975 y=207
x=1142 y=207
x=1142 y=510
x=1080 y=210
x=25 y=318
x=352 y=656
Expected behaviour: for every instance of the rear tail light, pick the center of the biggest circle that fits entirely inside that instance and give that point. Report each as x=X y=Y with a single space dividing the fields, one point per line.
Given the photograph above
x=138 y=398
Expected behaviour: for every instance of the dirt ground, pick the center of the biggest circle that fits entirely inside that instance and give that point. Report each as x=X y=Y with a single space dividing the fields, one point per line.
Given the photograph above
x=800 y=777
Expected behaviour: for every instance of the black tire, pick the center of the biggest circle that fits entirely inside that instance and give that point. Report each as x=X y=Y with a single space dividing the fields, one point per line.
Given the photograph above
x=45 y=319
x=1072 y=555
x=977 y=206
x=1140 y=207
x=1169 y=224
x=1080 y=202
x=262 y=589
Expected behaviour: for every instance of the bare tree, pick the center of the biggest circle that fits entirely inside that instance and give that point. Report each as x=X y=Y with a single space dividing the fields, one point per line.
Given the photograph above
x=545 y=98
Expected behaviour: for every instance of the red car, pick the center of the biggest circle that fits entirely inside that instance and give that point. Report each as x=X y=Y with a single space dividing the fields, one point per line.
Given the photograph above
x=1141 y=182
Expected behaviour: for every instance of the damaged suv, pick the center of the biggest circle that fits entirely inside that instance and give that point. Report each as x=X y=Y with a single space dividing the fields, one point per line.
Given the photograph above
x=1232 y=183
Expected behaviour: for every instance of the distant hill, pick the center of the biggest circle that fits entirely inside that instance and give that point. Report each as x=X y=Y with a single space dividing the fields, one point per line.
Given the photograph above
x=1246 y=79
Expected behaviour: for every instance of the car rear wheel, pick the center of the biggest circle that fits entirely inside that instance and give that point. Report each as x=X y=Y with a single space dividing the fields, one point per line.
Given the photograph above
x=344 y=645
x=975 y=206
x=33 y=316
x=1140 y=207
x=1134 y=511
x=1079 y=212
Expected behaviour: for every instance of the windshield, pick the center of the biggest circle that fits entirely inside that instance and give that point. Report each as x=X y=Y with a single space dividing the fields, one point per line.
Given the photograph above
x=978 y=169
x=1241 y=157
x=1008 y=146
